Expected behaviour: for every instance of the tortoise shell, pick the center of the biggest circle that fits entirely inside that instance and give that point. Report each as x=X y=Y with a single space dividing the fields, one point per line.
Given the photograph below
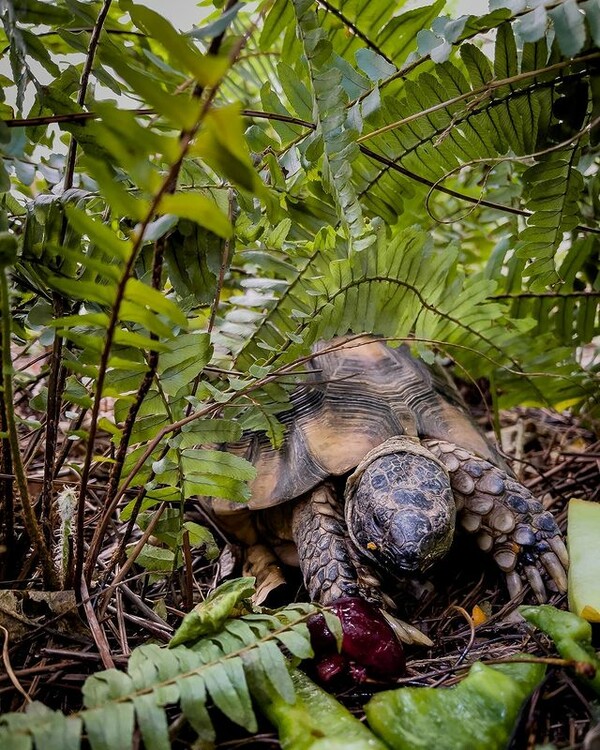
x=358 y=392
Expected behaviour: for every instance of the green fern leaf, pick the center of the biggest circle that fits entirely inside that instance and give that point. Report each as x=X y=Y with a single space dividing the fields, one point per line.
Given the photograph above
x=226 y=683
x=215 y=666
x=182 y=360
x=388 y=32
x=554 y=186
x=152 y=721
x=204 y=431
x=297 y=642
x=51 y=729
x=110 y=727
x=333 y=125
x=193 y=697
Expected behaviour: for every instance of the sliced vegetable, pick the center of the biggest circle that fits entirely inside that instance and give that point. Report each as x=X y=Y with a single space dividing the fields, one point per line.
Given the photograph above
x=584 y=559
x=315 y=721
x=480 y=713
x=572 y=636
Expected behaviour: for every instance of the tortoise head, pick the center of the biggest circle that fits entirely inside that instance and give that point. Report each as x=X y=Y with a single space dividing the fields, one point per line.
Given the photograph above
x=400 y=511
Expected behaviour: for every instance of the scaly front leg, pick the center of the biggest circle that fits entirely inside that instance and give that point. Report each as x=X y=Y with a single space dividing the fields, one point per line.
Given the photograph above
x=506 y=519
x=330 y=568
x=319 y=530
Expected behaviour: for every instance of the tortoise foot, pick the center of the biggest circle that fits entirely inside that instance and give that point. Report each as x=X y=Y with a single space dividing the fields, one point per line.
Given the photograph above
x=507 y=522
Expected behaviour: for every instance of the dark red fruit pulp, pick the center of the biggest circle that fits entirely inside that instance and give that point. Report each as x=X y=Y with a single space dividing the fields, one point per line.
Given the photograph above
x=370 y=648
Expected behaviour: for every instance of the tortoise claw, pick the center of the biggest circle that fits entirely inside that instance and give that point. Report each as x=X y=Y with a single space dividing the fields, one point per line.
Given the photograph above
x=559 y=549
x=555 y=570
x=514 y=584
x=536 y=582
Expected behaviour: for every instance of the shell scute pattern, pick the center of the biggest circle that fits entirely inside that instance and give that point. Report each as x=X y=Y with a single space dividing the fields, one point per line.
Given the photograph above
x=348 y=402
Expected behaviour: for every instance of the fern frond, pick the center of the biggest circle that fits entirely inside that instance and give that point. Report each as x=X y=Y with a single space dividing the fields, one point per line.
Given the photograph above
x=445 y=122
x=553 y=187
x=333 y=124
x=380 y=26
x=296 y=303
x=571 y=312
x=214 y=668
x=397 y=287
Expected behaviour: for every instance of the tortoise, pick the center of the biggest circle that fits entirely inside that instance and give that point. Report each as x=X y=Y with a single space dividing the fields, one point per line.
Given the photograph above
x=416 y=466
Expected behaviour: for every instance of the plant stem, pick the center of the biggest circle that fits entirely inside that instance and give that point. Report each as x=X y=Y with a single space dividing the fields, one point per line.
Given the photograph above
x=7 y=500
x=83 y=86
x=52 y=418
x=57 y=376
x=30 y=521
x=168 y=186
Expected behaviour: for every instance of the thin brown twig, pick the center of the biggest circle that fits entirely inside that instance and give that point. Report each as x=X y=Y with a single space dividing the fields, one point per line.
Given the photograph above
x=114 y=319
x=7 y=665
x=391 y=164
x=188 y=588
x=83 y=87
x=135 y=553
x=354 y=29
x=222 y=268
x=97 y=631
x=168 y=186
x=501 y=160
x=142 y=392
x=57 y=373
x=34 y=531
x=381 y=158
x=591 y=293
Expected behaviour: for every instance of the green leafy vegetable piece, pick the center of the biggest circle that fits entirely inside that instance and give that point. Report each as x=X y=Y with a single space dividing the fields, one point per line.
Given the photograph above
x=209 y=616
x=478 y=714
x=584 y=559
x=572 y=636
x=314 y=721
